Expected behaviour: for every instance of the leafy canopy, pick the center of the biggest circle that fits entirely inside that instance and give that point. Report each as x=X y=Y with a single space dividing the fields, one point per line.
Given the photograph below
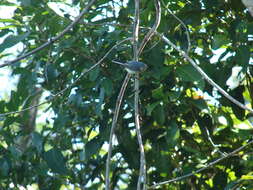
x=180 y=112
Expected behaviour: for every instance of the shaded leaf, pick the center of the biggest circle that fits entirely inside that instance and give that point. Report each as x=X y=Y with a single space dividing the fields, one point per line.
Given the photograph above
x=37 y=141
x=55 y=161
x=189 y=74
x=92 y=147
x=159 y=114
x=172 y=134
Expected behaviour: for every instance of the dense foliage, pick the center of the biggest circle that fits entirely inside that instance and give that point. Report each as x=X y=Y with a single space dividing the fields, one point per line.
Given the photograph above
x=181 y=114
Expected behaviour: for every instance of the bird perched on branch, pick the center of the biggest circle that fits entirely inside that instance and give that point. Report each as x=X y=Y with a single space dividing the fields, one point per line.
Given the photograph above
x=133 y=67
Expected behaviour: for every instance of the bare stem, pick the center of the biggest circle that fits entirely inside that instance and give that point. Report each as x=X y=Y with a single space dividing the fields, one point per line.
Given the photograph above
x=215 y=146
x=114 y=122
x=142 y=172
x=136 y=29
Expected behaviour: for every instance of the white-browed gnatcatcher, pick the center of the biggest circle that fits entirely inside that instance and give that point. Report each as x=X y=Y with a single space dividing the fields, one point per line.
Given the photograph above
x=133 y=67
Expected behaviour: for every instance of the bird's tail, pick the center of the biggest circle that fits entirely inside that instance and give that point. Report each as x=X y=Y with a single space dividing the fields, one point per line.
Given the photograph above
x=118 y=62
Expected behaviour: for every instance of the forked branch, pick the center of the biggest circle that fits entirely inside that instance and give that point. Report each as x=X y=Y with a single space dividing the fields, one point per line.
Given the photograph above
x=152 y=31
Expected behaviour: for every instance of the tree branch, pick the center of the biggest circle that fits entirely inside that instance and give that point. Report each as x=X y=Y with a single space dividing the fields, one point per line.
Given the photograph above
x=71 y=85
x=77 y=19
x=201 y=169
x=114 y=122
x=204 y=75
x=153 y=29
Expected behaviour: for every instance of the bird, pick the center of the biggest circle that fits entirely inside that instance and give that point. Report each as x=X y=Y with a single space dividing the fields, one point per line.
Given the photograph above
x=133 y=67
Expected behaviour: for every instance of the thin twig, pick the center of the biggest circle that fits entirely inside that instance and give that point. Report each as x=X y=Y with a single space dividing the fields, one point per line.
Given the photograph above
x=183 y=24
x=153 y=29
x=113 y=24
x=215 y=146
x=114 y=122
x=204 y=75
x=201 y=169
x=25 y=109
x=142 y=172
x=136 y=29
x=66 y=88
x=77 y=19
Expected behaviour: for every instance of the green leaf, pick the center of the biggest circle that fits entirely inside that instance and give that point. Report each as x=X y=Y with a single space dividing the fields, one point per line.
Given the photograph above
x=188 y=73
x=219 y=40
x=9 y=120
x=174 y=95
x=108 y=86
x=220 y=180
x=12 y=40
x=172 y=134
x=247 y=177
x=25 y=2
x=4 y=167
x=75 y=100
x=94 y=74
x=2 y=106
x=92 y=147
x=237 y=93
x=232 y=185
x=51 y=72
x=55 y=161
x=159 y=114
x=15 y=152
x=151 y=107
x=242 y=55
x=100 y=103
x=160 y=72
x=201 y=104
x=61 y=120
x=158 y=93
x=206 y=125
x=4 y=32
x=6 y=3
x=37 y=141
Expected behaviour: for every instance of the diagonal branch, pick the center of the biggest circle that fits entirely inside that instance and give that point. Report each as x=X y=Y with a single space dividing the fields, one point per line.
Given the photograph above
x=77 y=19
x=204 y=168
x=114 y=122
x=204 y=75
x=153 y=29
x=71 y=85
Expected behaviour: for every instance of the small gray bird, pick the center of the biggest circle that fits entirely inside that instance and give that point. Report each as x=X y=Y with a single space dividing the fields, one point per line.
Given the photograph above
x=133 y=67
